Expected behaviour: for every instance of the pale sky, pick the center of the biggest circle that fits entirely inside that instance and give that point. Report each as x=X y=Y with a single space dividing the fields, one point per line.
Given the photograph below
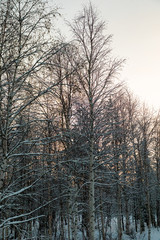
x=135 y=25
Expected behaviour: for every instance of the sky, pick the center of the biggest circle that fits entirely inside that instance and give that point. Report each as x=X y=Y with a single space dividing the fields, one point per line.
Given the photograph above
x=135 y=26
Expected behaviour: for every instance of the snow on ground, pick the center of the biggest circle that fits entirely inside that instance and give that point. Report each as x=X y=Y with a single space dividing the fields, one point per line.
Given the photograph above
x=155 y=235
x=112 y=233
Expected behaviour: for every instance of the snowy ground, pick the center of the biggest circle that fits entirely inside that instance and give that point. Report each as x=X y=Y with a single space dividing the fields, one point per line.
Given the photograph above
x=111 y=233
x=155 y=235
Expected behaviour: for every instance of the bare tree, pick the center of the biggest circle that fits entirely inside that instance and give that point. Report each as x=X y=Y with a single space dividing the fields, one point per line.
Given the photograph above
x=95 y=79
x=25 y=49
x=147 y=126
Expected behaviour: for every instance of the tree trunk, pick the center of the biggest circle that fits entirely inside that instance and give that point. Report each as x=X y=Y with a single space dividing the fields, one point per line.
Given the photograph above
x=119 y=213
x=127 y=218
x=50 y=219
x=102 y=217
x=91 y=195
x=149 y=214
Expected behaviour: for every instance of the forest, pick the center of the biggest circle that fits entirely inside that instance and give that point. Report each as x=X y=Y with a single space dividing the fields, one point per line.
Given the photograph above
x=79 y=154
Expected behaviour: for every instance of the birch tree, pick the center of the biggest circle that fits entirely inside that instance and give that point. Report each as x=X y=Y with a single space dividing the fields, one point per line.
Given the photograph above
x=25 y=48
x=95 y=79
x=145 y=139
x=157 y=167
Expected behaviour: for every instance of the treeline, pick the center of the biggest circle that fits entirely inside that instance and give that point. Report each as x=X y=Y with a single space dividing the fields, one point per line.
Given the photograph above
x=77 y=150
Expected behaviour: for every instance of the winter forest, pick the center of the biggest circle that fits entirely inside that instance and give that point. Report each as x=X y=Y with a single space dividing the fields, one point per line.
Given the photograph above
x=79 y=154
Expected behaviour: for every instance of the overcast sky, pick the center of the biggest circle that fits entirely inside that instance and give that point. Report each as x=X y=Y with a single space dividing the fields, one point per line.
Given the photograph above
x=135 y=25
